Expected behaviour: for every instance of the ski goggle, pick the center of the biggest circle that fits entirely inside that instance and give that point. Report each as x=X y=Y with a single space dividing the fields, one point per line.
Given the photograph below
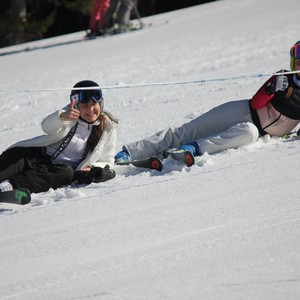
x=295 y=51
x=84 y=96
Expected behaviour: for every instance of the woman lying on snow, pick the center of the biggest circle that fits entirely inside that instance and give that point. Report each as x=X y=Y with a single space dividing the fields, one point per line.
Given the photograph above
x=79 y=145
x=273 y=110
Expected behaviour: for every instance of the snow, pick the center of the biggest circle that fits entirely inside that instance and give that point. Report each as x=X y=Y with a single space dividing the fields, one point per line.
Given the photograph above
x=226 y=228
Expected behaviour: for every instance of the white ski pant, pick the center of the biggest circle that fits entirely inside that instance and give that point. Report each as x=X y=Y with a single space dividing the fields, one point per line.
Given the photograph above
x=226 y=126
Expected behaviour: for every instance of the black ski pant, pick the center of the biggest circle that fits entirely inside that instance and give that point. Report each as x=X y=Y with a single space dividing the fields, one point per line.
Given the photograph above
x=31 y=168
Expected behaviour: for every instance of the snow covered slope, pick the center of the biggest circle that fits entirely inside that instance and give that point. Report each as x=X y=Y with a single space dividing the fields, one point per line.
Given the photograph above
x=227 y=228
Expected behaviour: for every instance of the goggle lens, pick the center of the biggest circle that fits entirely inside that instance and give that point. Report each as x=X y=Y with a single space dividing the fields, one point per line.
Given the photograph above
x=295 y=51
x=86 y=95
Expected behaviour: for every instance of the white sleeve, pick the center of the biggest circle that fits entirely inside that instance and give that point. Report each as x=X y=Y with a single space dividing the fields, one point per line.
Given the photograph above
x=52 y=124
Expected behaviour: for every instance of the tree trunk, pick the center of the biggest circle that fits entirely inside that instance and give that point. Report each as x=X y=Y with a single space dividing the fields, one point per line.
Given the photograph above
x=18 y=12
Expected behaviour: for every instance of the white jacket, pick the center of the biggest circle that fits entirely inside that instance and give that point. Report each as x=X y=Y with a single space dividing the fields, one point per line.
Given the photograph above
x=55 y=130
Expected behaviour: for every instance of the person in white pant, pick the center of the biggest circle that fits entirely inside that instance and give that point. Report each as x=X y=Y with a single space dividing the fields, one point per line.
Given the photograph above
x=274 y=110
x=123 y=15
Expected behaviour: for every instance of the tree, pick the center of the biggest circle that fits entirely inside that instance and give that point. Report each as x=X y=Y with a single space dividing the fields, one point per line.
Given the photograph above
x=26 y=20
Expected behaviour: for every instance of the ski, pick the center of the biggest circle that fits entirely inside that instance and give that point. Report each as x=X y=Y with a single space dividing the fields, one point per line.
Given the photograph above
x=185 y=157
x=155 y=162
x=119 y=29
x=17 y=196
x=116 y=29
x=148 y=163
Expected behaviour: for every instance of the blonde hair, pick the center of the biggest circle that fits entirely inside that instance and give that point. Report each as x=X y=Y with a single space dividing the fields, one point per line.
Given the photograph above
x=97 y=130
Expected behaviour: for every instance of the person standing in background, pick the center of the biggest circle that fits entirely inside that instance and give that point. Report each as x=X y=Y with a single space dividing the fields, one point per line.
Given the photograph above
x=97 y=17
x=123 y=10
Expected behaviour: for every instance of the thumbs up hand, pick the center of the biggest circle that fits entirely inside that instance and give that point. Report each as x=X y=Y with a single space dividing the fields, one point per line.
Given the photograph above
x=72 y=114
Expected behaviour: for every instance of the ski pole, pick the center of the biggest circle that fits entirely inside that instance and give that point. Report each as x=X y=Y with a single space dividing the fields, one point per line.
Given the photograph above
x=136 y=12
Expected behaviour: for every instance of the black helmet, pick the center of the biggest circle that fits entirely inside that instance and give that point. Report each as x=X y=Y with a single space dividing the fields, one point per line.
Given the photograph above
x=86 y=94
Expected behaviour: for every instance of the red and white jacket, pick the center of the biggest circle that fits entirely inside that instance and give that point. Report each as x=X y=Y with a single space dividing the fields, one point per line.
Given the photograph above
x=279 y=113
